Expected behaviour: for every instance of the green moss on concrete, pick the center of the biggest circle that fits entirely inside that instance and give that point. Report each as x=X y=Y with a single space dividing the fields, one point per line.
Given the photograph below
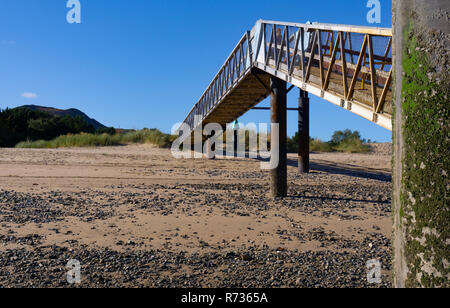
x=425 y=184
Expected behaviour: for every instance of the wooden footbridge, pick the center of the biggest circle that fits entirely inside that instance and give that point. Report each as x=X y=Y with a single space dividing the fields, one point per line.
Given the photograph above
x=349 y=66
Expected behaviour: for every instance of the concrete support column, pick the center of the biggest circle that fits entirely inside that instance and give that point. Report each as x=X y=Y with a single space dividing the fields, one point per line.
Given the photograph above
x=421 y=128
x=278 y=110
x=303 y=132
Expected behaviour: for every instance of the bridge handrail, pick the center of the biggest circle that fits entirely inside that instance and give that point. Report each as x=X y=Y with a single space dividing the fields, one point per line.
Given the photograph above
x=366 y=54
x=334 y=27
x=260 y=48
x=245 y=38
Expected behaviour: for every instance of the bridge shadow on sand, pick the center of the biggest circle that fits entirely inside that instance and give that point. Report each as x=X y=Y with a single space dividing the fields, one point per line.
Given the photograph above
x=345 y=169
x=334 y=168
x=341 y=169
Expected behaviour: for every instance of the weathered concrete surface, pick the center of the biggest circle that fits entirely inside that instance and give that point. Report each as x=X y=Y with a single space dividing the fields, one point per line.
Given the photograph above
x=421 y=143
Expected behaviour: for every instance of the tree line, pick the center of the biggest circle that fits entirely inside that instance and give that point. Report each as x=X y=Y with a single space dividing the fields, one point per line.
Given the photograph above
x=24 y=124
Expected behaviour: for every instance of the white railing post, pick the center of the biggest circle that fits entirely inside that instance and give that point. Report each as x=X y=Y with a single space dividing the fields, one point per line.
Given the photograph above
x=259 y=51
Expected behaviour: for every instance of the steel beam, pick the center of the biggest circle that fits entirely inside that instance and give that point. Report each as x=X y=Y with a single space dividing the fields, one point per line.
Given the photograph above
x=303 y=132
x=278 y=103
x=268 y=108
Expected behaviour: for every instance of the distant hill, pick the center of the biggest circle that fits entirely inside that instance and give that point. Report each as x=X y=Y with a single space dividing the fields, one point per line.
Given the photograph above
x=61 y=113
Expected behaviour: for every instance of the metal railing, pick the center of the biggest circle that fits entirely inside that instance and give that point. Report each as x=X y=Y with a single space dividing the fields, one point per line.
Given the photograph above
x=350 y=66
x=237 y=65
x=297 y=49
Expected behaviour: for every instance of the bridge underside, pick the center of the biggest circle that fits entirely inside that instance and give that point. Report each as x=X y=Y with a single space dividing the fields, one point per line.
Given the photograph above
x=252 y=89
x=255 y=84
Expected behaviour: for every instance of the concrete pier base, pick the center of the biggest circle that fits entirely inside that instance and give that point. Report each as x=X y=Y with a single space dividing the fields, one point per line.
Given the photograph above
x=421 y=146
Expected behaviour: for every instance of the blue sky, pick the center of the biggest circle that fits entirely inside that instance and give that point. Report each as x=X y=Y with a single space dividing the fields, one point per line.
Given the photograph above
x=136 y=63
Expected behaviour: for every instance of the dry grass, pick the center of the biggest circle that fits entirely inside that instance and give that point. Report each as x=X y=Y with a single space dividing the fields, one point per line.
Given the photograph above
x=152 y=136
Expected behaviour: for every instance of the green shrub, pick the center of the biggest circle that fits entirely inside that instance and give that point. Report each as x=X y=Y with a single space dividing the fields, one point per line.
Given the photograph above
x=352 y=146
x=151 y=136
x=25 y=124
x=349 y=141
x=341 y=141
x=106 y=130
x=317 y=145
x=292 y=144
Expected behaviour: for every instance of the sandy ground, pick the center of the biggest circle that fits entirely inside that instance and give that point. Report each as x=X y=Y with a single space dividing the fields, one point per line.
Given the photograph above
x=190 y=222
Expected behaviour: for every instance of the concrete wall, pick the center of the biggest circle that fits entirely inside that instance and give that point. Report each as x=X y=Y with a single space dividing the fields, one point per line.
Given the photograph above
x=421 y=143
